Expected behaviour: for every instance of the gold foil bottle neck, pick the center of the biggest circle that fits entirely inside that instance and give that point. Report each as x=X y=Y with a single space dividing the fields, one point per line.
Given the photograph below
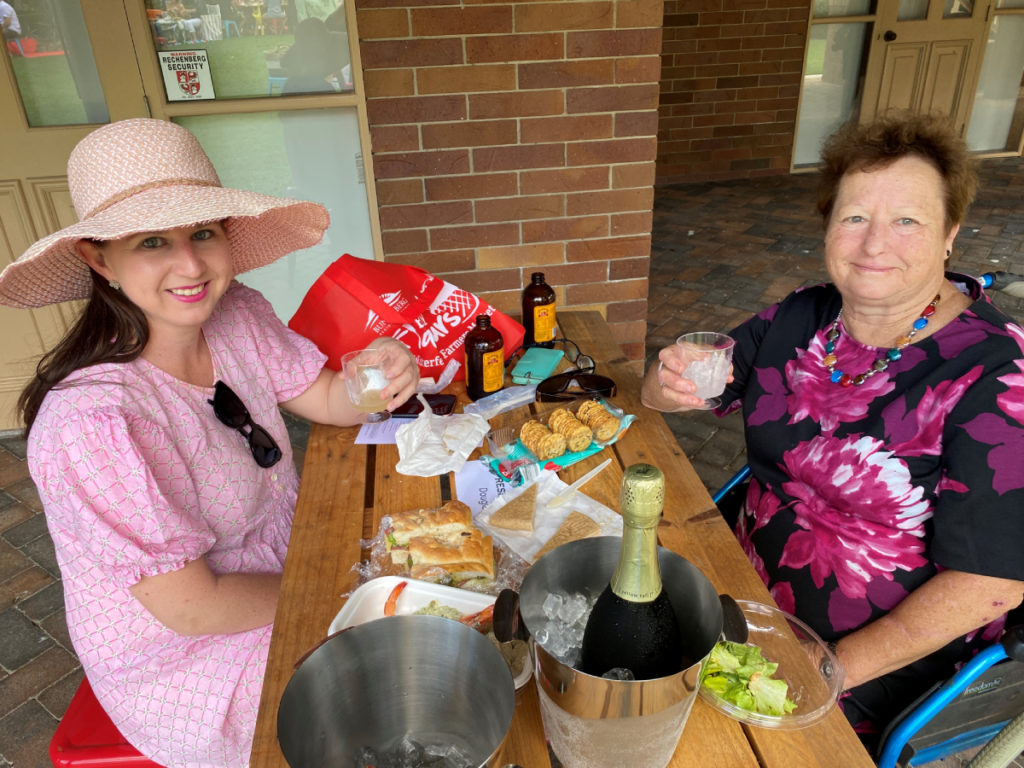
x=642 y=499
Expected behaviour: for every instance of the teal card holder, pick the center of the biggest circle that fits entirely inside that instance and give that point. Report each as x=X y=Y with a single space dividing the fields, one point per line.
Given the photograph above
x=536 y=364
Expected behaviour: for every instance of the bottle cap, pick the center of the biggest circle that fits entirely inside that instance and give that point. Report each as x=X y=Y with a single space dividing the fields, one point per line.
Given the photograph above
x=643 y=495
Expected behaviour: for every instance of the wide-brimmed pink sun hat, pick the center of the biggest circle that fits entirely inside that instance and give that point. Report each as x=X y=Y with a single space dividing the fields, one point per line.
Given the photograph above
x=147 y=175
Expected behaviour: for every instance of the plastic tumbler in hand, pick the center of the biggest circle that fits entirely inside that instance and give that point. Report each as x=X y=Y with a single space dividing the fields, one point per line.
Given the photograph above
x=364 y=379
x=711 y=357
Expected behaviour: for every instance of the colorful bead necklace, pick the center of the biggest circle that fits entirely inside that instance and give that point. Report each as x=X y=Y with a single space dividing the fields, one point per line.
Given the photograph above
x=891 y=355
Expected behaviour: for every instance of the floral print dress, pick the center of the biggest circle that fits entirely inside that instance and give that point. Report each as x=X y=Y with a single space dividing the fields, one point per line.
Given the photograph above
x=861 y=494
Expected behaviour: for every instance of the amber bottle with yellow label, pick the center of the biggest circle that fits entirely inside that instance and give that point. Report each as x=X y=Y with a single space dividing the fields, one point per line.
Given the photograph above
x=538 y=312
x=485 y=359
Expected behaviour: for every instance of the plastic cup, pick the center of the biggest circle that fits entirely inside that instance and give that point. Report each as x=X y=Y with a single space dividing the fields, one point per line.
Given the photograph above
x=364 y=380
x=711 y=358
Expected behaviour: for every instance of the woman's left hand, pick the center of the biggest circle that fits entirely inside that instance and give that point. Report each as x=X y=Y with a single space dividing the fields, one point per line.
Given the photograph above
x=401 y=369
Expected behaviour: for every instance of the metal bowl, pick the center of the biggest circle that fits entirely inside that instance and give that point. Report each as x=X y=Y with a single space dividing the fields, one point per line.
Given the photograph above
x=426 y=677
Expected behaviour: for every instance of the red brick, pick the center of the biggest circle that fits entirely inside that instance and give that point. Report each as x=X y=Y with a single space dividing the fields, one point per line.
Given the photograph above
x=434 y=52
x=395 y=138
x=398 y=191
x=520 y=208
x=565 y=74
x=632 y=223
x=471 y=187
x=426 y=215
x=537 y=254
x=419 y=109
x=636 y=123
x=547 y=17
x=383 y=23
x=630 y=337
x=565 y=229
x=612 y=151
x=470 y=133
x=516 y=104
x=563 y=180
x=402 y=165
x=613 y=42
x=486 y=279
x=610 y=249
x=638 y=13
x=637 y=69
x=494 y=48
x=389 y=82
x=617 y=201
x=599 y=293
x=574 y=274
x=442 y=22
x=613 y=99
x=576 y=128
x=404 y=241
x=627 y=311
x=442 y=261
x=517 y=157
x=627 y=269
x=466 y=79
x=473 y=236
x=633 y=175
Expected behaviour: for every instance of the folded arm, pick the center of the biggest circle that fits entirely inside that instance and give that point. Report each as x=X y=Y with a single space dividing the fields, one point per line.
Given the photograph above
x=947 y=606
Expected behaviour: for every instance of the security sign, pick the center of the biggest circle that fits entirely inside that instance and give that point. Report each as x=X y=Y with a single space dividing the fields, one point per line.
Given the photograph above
x=186 y=75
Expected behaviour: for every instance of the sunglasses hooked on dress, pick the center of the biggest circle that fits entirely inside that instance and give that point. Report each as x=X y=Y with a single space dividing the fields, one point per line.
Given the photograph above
x=231 y=412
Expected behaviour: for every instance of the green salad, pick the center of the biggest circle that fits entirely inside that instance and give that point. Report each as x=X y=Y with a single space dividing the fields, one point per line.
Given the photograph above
x=742 y=676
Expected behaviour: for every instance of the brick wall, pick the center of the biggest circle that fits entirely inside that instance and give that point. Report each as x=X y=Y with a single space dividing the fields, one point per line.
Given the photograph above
x=512 y=137
x=730 y=82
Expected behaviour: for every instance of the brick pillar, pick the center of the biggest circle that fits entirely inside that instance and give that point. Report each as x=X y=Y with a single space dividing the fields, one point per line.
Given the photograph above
x=518 y=136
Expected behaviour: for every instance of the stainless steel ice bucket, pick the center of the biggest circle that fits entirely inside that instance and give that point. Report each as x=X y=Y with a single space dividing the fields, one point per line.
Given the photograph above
x=593 y=722
x=433 y=679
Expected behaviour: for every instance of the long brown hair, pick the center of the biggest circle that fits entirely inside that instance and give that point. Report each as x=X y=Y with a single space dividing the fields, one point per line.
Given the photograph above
x=111 y=329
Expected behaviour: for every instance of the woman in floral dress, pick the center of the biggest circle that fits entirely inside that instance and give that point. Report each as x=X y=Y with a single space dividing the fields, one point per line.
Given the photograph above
x=884 y=417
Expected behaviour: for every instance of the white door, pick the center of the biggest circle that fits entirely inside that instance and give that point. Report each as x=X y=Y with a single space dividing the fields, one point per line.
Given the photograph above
x=299 y=132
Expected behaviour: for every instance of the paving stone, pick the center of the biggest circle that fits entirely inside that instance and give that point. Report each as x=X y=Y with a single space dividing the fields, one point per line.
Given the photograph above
x=35 y=677
x=25 y=492
x=24 y=585
x=12 y=469
x=12 y=561
x=13 y=515
x=23 y=640
x=30 y=530
x=27 y=733
x=14 y=443
x=41 y=552
x=46 y=602
x=58 y=696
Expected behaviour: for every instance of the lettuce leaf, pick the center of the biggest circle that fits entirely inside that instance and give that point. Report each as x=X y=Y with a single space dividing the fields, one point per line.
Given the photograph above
x=742 y=676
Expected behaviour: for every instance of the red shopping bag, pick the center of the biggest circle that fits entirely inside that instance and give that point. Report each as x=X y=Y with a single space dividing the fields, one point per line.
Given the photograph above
x=358 y=300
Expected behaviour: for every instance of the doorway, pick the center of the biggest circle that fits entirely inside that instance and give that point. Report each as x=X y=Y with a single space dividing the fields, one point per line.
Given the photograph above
x=83 y=63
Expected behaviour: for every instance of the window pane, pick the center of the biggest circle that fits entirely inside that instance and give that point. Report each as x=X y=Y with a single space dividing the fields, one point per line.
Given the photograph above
x=912 y=10
x=958 y=9
x=252 y=48
x=829 y=8
x=1009 y=3
x=999 y=87
x=306 y=154
x=835 y=57
x=54 y=67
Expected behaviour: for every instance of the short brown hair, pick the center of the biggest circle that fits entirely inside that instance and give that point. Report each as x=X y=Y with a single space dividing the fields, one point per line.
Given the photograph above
x=890 y=137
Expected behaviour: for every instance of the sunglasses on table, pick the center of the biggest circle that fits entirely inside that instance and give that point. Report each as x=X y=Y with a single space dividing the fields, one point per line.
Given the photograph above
x=571 y=385
x=231 y=412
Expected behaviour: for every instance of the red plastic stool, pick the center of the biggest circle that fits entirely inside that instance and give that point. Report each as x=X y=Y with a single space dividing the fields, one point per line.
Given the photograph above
x=86 y=738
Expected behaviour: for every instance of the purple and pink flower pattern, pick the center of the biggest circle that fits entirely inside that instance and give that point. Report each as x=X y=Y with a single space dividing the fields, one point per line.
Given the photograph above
x=861 y=494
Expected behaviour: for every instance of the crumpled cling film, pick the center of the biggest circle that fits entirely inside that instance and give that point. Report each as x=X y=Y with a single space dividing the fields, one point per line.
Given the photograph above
x=431 y=445
x=509 y=567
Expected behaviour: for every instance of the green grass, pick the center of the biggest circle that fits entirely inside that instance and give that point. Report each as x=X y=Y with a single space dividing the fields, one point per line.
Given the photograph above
x=815 y=57
x=237 y=65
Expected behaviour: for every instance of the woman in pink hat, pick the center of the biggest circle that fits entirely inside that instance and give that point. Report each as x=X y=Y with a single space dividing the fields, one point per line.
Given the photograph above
x=155 y=436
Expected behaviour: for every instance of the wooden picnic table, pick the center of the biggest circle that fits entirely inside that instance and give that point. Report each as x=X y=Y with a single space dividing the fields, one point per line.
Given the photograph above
x=347 y=488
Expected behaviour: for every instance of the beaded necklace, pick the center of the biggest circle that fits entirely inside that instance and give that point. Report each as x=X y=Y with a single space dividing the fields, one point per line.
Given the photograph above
x=891 y=355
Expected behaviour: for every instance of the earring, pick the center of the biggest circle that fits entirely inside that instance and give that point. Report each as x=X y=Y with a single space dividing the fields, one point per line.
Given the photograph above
x=115 y=285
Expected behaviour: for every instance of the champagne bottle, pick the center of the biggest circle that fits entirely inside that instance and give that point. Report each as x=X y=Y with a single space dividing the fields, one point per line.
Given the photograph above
x=633 y=625
x=538 y=313
x=485 y=359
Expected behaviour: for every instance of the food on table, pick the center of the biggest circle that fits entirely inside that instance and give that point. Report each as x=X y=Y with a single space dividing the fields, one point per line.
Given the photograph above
x=602 y=421
x=517 y=515
x=740 y=675
x=434 y=608
x=541 y=441
x=392 y=602
x=577 y=434
x=576 y=526
x=440 y=545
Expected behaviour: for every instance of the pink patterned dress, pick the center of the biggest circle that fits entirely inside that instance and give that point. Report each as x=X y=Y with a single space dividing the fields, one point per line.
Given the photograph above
x=138 y=477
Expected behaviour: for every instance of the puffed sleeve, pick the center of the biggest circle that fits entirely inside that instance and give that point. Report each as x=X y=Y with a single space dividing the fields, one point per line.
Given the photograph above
x=117 y=484
x=291 y=361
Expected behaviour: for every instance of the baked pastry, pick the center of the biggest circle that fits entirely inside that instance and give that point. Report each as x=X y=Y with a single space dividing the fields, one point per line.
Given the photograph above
x=576 y=526
x=577 y=434
x=541 y=441
x=517 y=515
x=602 y=421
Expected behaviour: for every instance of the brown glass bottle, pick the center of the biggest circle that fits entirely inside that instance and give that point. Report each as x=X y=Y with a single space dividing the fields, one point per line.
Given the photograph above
x=538 y=312
x=485 y=359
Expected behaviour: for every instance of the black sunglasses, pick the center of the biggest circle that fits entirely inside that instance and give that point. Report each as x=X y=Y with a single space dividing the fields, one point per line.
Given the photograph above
x=231 y=412
x=571 y=385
